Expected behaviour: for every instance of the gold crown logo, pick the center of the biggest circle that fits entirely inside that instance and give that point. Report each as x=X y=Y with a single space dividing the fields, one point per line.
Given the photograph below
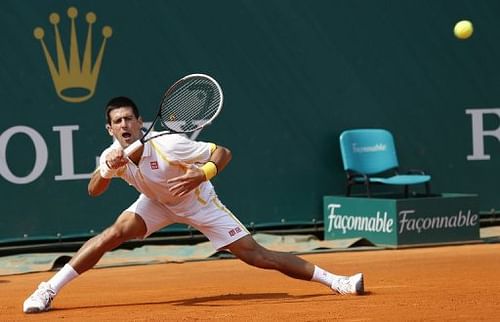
x=75 y=82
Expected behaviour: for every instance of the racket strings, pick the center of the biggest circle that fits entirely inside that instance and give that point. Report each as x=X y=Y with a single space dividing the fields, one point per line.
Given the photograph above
x=190 y=104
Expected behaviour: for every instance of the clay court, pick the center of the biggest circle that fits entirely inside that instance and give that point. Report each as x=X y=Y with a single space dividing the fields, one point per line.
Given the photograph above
x=434 y=283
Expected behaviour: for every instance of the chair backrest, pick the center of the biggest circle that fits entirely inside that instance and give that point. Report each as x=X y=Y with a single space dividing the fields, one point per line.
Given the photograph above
x=368 y=151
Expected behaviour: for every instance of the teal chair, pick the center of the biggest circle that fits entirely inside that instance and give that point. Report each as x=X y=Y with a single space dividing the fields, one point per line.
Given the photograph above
x=369 y=157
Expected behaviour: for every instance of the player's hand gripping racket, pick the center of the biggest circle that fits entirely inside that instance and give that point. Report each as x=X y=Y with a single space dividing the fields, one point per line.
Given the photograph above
x=188 y=105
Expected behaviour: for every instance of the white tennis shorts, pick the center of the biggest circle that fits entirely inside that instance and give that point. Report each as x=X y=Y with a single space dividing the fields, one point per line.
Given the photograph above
x=213 y=219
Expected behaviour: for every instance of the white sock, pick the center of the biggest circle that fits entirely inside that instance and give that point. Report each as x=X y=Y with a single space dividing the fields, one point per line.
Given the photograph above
x=63 y=277
x=324 y=277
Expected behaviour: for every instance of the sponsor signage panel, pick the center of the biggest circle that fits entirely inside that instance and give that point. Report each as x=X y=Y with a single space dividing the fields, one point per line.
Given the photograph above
x=446 y=218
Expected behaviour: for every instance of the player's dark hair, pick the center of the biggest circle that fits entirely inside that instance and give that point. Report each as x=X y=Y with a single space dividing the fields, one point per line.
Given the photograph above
x=120 y=101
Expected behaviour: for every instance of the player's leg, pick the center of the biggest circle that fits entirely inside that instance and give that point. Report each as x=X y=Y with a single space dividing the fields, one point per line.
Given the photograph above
x=128 y=226
x=224 y=230
x=249 y=251
x=139 y=220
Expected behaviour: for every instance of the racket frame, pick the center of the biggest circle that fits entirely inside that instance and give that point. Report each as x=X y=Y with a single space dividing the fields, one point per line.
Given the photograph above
x=137 y=144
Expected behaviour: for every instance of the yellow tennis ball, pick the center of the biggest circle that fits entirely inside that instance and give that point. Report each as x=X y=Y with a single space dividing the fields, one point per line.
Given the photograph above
x=463 y=29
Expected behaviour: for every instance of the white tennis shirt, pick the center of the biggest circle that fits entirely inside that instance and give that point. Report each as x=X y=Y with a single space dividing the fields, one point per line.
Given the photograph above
x=160 y=162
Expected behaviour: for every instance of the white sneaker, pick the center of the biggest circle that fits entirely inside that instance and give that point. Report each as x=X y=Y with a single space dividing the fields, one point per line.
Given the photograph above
x=349 y=284
x=40 y=300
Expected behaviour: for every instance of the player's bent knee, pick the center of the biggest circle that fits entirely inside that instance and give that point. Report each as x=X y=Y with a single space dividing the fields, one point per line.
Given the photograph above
x=113 y=236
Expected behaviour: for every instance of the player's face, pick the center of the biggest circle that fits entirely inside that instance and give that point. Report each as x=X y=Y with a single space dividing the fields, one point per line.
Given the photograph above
x=125 y=127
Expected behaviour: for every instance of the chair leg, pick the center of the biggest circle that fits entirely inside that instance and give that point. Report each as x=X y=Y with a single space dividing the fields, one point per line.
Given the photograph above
x=348 y=189
x=427 y=188
x=406 y=191
x=368 y=192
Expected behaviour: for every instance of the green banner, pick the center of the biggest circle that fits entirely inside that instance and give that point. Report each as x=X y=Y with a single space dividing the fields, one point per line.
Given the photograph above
x=448 y=218
x=294 y=74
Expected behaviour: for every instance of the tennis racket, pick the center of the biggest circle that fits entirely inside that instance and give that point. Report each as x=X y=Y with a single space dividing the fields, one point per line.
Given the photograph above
x=191 y=103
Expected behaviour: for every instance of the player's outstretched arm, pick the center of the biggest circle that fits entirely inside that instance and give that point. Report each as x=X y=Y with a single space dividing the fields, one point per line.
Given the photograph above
x=108 y=168
x=97 y=184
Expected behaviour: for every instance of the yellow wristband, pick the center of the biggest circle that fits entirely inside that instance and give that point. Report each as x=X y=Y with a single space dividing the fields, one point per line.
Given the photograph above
x=209 y=169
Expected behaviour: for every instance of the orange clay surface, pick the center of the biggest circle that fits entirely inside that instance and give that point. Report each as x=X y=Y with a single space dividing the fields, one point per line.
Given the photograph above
x=428 y=284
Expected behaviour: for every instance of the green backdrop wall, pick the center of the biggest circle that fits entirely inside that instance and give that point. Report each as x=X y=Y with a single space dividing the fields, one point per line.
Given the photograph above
x=294 y=73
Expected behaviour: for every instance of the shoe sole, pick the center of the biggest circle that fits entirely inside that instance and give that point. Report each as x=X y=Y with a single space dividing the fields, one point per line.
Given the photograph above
x=34 y=310
x=359 y=286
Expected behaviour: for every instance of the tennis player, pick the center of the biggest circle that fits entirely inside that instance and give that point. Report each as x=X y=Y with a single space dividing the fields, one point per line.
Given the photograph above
x=172 y=174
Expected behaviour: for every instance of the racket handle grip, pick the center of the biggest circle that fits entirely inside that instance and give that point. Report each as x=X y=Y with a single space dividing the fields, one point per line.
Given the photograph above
x=132 y=148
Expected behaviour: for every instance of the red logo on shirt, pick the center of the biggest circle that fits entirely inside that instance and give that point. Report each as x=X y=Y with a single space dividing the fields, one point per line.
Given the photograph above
x=154 y=165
